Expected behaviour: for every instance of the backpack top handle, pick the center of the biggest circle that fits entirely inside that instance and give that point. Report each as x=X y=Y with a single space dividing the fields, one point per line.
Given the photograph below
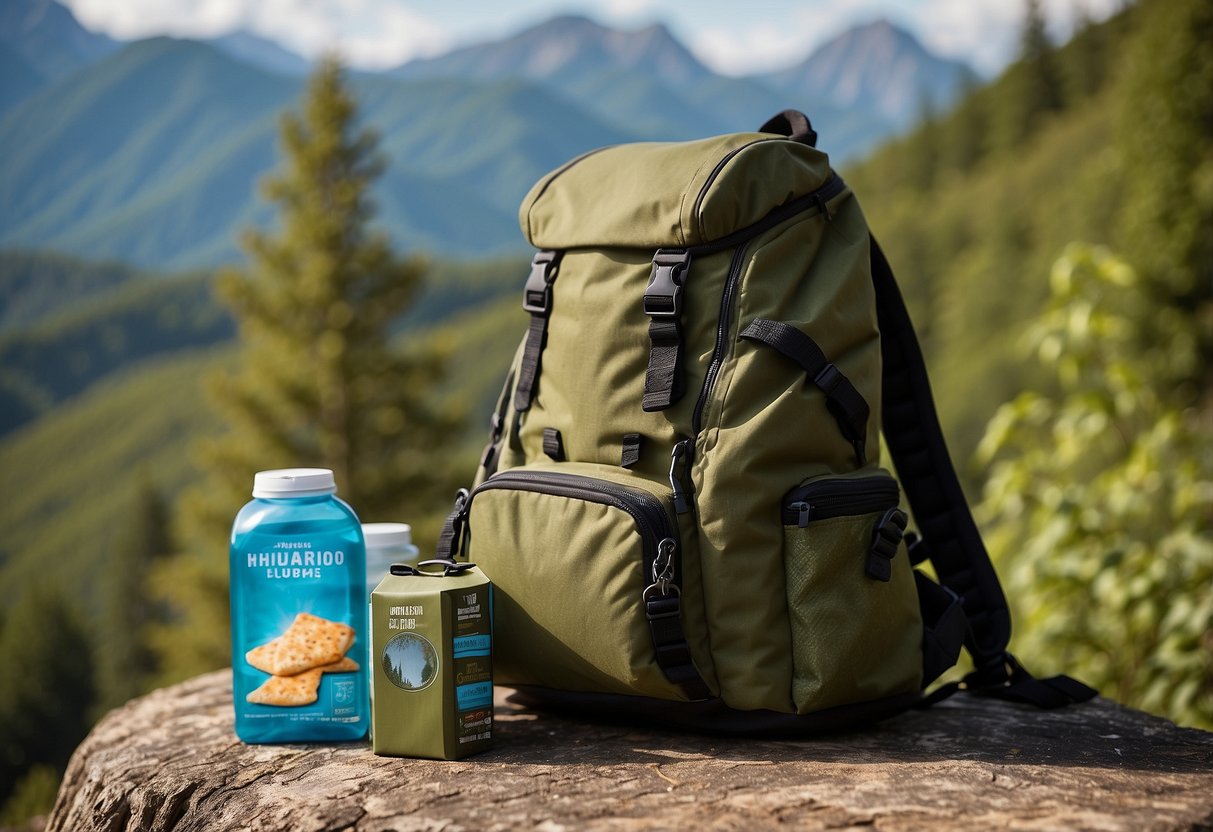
x=793 y=124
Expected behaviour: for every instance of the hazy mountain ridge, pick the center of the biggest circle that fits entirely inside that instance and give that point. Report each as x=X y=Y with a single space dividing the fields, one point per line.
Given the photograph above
x=152 y=154
x=262 y=52
x=564 y=51
x=879 y=66
x=47 y=36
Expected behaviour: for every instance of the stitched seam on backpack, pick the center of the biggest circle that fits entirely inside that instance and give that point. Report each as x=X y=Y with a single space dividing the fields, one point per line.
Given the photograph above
x=682 y=204
x=530 y=231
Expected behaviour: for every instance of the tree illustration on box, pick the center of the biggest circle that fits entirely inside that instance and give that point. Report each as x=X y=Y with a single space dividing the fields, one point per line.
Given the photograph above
x=410 y=661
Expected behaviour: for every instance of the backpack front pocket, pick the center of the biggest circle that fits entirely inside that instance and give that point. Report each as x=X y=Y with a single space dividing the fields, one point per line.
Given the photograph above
x=852 y=602
x=586 y=567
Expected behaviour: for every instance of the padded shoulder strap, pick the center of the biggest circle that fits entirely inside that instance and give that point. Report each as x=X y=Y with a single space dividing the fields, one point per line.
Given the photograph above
x=949 y=535
x=915 y=439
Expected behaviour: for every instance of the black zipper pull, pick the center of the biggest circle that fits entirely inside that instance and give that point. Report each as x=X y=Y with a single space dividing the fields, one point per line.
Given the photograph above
x=802 y=510
x=681 y=504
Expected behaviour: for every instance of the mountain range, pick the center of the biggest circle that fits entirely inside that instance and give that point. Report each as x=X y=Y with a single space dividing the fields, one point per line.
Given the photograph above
x=150 y=152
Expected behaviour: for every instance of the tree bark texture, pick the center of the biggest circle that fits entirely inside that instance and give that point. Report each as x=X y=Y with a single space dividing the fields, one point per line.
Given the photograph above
x=171 y=761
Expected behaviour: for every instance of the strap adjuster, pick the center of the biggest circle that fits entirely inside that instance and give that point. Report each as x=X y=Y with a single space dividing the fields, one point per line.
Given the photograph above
x=828 y=379
x=886 y=537
x=537 y=295
x=663 y=295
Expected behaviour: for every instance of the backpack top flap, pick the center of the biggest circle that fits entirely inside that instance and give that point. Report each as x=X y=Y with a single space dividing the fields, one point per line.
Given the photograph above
x=668 y=194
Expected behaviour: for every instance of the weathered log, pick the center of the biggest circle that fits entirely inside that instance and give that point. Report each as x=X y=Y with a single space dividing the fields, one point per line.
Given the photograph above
x=170 y=760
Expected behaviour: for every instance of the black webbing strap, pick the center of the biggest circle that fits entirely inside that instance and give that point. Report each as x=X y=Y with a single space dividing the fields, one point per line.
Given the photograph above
x=950 y=537
x=663 y=380
x=490 y=457
x=553 y=444
x=663 y=611
x=664 y=614
x=630 y=454
x=1011 y=681
x=536 y=299
x=451 y=538
x=848 y=407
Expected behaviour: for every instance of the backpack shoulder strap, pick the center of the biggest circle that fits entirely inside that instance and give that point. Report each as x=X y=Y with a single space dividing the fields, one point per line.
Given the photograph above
x=950 y=538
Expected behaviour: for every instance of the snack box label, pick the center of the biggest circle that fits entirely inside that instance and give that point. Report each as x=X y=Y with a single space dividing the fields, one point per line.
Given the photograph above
x=432 y=657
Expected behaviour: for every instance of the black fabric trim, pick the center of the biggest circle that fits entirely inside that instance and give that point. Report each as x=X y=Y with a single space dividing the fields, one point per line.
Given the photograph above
x=709 y=716
x=944 y=627
x=846 y=404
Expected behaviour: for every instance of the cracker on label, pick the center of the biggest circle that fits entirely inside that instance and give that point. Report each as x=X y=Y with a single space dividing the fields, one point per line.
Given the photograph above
x=310 y=641
x=288 y=691
x=262 y=657
x=346 y=665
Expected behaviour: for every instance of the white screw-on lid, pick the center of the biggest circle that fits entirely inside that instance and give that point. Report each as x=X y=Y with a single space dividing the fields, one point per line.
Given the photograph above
x=387 y=535
x=294 y=482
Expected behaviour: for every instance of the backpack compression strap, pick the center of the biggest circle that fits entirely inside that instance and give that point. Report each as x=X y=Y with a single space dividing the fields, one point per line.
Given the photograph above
x=949 y=535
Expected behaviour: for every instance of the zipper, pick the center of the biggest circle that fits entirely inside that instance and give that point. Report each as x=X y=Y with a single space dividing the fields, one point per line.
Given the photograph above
x=728 y=157
x=722 y=335
x=824 y=499
x=648 y=512
x=817 y=199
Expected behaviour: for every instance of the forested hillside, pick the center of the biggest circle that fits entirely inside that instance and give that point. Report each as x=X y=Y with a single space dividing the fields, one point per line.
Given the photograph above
x=1073 y=380
x=1052 y=235
x=974 y=206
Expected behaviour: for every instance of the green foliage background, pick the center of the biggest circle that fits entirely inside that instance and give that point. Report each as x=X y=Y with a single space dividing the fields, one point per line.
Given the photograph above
x=1073 y=382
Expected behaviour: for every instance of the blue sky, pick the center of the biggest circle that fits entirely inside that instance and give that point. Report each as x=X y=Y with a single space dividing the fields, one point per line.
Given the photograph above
x=730 y=36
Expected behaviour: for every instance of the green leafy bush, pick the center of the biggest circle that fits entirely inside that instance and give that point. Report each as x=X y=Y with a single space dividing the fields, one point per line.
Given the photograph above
x=1099 y=504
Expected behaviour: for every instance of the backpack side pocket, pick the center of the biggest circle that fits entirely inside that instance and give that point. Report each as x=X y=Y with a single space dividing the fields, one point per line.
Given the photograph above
x=852 y=601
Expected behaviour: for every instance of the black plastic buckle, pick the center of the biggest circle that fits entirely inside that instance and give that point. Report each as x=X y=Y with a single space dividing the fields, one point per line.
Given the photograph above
x=885 y=539
x=537 y=295
x=663 y=296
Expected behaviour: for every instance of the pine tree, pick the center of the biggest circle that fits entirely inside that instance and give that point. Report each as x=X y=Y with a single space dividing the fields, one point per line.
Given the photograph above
x=1033 y=84
x=1084 y=67
x=1042 y=81
x=126 y=664
x=319 y=382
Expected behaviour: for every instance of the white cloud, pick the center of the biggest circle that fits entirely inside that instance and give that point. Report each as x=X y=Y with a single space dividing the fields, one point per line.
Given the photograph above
x=781 y=39
x=629 y=9
x=371 y=34
x=128 y=19
x=730 y=37
x=733 y=52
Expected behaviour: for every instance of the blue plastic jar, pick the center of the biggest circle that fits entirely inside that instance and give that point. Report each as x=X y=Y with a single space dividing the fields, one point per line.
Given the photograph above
x=298 y=591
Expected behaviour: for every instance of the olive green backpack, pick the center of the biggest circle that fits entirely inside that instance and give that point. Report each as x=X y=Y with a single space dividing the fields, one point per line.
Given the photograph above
x=682 y=507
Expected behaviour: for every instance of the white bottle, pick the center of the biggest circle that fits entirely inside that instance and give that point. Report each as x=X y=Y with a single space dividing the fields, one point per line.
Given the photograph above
x=387 y=543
